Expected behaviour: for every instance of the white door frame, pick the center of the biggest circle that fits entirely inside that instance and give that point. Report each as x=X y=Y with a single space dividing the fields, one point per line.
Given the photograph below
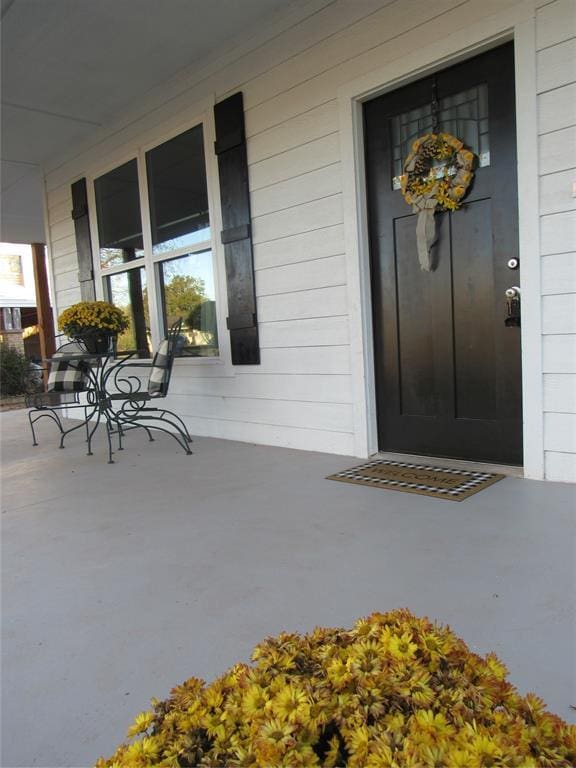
x=517 y=24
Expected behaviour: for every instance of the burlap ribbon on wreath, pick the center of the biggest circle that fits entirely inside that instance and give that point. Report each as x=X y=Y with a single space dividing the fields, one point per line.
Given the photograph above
x=425 y=207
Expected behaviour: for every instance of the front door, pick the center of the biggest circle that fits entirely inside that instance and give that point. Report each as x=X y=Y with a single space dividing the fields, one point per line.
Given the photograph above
x=448 y=369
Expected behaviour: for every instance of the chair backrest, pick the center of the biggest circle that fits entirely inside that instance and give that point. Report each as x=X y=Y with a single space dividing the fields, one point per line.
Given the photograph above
x=68 y=376
x=163 y=361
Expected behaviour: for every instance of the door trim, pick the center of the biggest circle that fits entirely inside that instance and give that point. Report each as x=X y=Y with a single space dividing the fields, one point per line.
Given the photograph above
x=518 y=24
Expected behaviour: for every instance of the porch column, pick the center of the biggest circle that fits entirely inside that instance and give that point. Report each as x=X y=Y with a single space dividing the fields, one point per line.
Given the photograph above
x=45 y=319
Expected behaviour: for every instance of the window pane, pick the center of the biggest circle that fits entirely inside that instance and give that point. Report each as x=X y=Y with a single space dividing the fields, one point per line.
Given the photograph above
x=127 y=290
x=118 y=213
x=187 y=286
x=464 y=114
x=177 y=192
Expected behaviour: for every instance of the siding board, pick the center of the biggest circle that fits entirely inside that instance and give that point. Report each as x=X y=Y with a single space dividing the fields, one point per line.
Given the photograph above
x=314 y=185
x=558 y=233
x=557 y=109
x=560 y=432
x=559 y=354
x=311 y=125
x=320 y=273
x=561 y=467
x=556 y=194
x=304 y=246
x=317 y=332
x=300 y=388
x=303 y=159
x=322 y=302
x=559 y=273
x=301 y=218
x=555 y=22
x=559 y=313
x=557 y=151
x=556 y=66
x=560 y=392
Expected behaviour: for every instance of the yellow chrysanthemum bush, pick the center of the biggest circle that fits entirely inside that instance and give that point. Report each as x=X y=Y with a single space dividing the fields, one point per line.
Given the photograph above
x=396 y=691
x=91 y=316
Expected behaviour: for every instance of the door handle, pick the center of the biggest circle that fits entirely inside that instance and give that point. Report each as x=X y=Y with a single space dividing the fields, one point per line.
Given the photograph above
x=512 y=307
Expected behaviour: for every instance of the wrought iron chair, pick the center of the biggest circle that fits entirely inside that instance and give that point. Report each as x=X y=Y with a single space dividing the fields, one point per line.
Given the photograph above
x=132 y=399
x=66 y=383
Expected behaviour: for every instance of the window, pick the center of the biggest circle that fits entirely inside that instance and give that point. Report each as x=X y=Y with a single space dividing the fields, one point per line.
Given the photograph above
x=118 y=212
x=177 y=192
x=175 y=254
x=128 y=291
x=187 y=289
x=463 y=114
x=121 y=244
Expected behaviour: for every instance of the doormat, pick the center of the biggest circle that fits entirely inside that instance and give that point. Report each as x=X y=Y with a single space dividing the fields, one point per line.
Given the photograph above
x=438 y=482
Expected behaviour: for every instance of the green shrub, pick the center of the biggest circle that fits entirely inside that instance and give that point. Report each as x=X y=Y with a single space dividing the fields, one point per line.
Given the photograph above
x=14 y=371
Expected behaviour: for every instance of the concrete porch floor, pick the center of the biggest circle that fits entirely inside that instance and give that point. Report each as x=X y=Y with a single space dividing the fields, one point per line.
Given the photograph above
x=120 y=581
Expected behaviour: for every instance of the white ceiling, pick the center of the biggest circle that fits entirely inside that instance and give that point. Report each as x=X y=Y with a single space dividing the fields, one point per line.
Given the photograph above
x=68 y=66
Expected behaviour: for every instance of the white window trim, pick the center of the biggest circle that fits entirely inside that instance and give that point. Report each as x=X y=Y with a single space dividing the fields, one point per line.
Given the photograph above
x=516 y=23
x=150 y=260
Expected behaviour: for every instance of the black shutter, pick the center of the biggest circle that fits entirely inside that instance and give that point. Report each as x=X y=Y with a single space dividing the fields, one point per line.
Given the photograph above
x=230 y=147
x=83 y=243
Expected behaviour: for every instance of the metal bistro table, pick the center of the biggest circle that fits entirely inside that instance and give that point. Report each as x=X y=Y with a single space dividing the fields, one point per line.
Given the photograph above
x=97 y=368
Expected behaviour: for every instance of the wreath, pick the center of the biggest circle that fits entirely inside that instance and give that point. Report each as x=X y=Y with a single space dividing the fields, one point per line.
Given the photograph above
x=428 y=187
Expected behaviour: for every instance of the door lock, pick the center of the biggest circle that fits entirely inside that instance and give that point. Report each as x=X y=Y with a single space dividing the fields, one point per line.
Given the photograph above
x=512 y=307
x=513 y=264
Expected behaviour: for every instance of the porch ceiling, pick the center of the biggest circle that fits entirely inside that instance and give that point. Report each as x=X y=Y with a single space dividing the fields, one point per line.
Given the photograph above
x=68 y=66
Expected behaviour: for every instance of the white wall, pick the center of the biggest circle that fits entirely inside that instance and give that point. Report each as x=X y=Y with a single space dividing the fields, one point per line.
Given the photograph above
x=556 y=78
x=301 y=395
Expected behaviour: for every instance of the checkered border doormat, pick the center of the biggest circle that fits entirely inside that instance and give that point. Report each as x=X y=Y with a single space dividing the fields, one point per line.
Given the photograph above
x=472 y=482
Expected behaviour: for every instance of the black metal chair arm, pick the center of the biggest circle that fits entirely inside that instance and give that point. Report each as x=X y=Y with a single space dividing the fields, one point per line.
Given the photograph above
x=136 y=396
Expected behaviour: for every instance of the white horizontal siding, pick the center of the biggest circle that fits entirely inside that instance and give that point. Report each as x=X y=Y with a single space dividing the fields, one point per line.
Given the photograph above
x=559 y=273
x=319 y=273
x=556 y=22
x=304 y=246
x=560 y=432
x=560 y=392
x=556 y=66
x=556 y=191
x=559 y=313
x=332 y=360
x=300 y=395
x=322 y=302
x=557 y=109
x=561 y=467
x=300 y=218
x=559 y=354
x=557 y=151
x=269 y=434
x=558 y=233
x=317 y=332
x=300 y=130
x=305 y=188
x=305 y=158
x=296 y=387
x=556 y=78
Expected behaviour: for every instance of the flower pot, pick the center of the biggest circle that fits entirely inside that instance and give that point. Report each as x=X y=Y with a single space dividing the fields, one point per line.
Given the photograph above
x=97 y=342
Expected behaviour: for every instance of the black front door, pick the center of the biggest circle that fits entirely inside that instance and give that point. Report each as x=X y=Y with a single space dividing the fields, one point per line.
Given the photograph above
x=448 y=369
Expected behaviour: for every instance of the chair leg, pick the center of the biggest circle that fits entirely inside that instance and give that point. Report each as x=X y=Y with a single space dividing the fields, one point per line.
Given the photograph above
x=34 y=441
x=109 y=436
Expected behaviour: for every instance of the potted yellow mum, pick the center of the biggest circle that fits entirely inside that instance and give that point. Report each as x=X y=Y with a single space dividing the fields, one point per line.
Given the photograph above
x=95 y=323
x=395 y=691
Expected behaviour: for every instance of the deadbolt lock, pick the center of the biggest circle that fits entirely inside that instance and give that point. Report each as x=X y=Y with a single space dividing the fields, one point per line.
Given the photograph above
x=513 y=264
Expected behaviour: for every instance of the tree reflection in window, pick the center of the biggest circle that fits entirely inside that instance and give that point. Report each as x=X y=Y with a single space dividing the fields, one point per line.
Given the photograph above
x=187 y=289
